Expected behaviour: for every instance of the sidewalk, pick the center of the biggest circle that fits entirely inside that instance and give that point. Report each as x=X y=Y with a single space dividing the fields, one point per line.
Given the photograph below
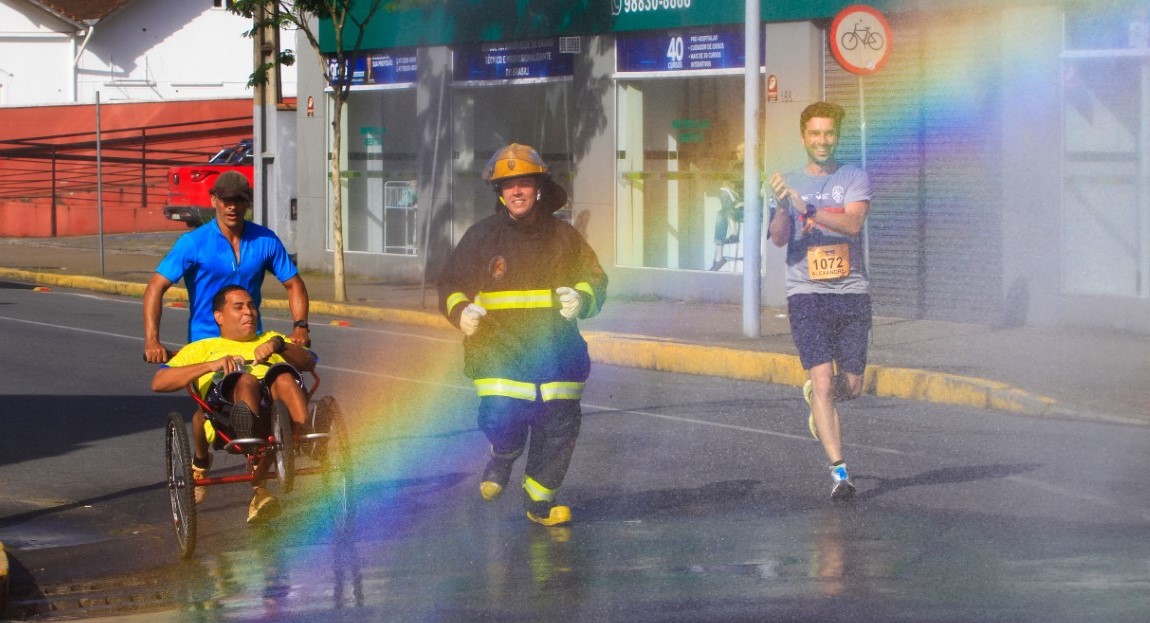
x=1076 y=373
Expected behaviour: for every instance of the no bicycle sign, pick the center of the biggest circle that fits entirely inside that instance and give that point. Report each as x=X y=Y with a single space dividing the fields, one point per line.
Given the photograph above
x=860 y=39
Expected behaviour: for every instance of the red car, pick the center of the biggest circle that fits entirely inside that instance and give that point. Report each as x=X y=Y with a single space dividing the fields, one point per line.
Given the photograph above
x=188 y=185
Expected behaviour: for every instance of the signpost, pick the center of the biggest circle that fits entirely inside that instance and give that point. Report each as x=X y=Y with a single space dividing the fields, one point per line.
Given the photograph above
x=860 y=39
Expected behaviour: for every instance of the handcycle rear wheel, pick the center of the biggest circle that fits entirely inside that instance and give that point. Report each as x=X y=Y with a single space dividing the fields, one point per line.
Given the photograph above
x=181 y=484
x=338 y=472
x=284 y=448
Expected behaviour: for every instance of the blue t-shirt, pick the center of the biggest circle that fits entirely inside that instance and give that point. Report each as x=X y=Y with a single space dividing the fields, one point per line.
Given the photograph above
x=203 y=258
x=846 y=185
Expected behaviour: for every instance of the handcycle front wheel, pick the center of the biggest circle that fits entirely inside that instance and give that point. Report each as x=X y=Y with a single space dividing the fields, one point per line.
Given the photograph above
x=284 y=446
x=181 y=484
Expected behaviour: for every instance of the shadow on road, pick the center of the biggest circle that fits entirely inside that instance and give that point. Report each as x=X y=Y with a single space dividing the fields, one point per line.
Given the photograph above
x=39 y=426
x=945 y=476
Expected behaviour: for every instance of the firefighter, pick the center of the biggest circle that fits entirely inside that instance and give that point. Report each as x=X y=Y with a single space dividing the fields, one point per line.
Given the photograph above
x=516 y=285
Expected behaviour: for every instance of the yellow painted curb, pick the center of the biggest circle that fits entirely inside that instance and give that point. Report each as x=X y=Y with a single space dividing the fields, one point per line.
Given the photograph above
x=645 y=352
x=672 y=356
x=3 y=579
x=83 y=282
x=780 y=369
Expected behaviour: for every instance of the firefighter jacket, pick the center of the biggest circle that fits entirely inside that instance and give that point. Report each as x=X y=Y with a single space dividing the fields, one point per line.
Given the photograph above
x=523 y=348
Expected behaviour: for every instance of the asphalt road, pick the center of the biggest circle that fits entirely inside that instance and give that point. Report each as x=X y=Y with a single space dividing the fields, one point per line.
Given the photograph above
x=695 y=499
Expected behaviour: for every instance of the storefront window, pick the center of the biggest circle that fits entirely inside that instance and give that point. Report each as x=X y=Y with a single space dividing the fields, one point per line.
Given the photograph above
x=1106 y=160
x=489 y=117
x=380 y=201
x=678 y=148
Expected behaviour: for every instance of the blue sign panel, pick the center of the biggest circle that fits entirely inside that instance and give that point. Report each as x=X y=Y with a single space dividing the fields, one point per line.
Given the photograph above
x=693 y=49
x=393 y=67
x=535 y=58
x=390 y=67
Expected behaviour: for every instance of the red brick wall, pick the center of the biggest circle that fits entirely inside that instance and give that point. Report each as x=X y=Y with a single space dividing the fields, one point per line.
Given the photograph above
x=26 y=185
x=37 y=121
x=33 y=219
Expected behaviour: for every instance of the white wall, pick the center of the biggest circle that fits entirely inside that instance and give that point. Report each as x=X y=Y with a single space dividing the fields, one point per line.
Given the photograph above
x=35 y=56
x=149 y=50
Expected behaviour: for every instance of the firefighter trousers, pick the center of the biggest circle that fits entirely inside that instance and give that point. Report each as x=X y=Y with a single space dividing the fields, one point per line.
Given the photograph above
x=552 y=426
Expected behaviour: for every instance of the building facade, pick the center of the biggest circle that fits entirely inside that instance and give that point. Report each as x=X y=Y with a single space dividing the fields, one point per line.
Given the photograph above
x=65 y=51
x=1008 y=143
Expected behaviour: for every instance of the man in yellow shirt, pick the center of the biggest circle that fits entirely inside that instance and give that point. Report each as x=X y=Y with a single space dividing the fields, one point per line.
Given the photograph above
x=220 y=370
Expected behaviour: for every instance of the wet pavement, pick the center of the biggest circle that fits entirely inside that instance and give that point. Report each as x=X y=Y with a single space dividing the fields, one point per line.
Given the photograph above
x=690 y=505
x=1059 y=372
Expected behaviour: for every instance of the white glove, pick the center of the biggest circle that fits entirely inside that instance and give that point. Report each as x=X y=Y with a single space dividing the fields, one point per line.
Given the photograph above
x=469 y=319
x=570 y=301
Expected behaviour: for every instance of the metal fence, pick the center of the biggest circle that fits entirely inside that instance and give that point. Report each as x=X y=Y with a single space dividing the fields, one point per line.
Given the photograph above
x=125 y=167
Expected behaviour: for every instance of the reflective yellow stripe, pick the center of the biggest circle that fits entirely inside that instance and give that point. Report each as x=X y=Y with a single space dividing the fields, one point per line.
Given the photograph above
x=561 y=390
x=515 y=299
x=505 y=387
x=556 y=390
x=453 y=300
x=536 y=491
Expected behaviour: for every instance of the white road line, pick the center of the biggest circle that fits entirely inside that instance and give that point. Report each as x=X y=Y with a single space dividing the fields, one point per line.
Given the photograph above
x=395 y=333
x=598 y=408
x=393 y=377
x=1070 y=493
x=603 y=409
x=273 y=319
x=77 y=329
x=745 y=429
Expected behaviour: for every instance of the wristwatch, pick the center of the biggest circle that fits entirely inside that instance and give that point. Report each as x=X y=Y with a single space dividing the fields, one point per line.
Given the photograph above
x=302 y=324
x=811 y=209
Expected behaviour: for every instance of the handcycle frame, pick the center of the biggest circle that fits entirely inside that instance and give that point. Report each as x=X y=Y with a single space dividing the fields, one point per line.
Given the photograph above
x=281 y=444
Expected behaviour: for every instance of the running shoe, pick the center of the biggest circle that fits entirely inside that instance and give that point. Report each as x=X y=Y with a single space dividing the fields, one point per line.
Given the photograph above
x=264 y=506
x=843 y=488
x=199 y=473
x=495 y=477
x=808 y=390
x=548 y=514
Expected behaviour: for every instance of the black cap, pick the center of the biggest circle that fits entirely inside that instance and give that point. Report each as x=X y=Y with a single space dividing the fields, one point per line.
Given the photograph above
x=232 y=185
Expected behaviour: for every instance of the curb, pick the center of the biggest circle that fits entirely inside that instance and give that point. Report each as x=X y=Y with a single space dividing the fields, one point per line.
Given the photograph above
x=83 y=282
x=639 y=351
x=781 y=369
x=3 y=580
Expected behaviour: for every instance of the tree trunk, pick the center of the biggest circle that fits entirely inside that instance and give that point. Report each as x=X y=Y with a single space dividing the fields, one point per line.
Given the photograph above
x=340 y=291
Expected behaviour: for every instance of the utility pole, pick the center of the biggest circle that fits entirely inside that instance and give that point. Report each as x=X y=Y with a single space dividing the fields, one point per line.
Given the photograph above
x=752 y=207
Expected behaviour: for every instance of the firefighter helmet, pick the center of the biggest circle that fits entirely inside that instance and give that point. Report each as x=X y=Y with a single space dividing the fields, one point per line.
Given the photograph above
x=514 y=160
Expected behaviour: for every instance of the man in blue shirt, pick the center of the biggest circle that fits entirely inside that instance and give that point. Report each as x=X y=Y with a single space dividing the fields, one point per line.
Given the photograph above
x=229 y=250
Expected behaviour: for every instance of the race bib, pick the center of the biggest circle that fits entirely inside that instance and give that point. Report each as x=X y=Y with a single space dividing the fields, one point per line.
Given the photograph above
x=829 y=262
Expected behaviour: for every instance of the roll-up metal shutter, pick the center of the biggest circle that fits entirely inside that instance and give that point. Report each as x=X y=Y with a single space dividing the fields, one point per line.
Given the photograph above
x=931 y=134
